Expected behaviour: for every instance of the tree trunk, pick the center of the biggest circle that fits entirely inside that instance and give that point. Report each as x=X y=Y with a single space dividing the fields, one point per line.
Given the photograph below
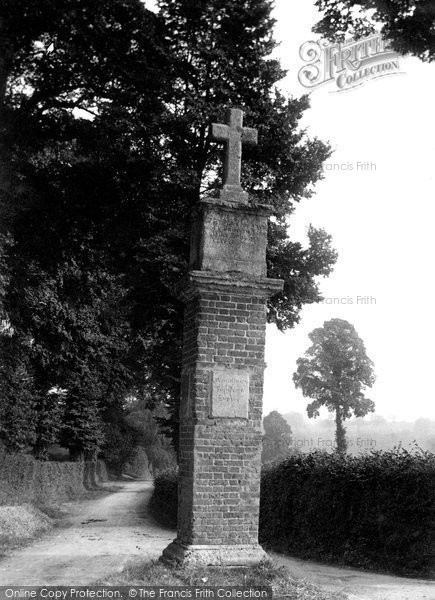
x=340 y=433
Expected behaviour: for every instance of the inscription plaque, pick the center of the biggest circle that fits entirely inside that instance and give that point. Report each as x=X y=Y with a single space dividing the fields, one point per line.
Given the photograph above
x=225 y=240
x=230 y=394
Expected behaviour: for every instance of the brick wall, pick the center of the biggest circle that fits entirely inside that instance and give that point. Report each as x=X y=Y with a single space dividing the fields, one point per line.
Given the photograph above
x=220 y=457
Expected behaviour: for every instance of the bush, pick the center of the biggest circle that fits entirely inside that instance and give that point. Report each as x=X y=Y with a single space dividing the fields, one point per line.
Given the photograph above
x=138 y=465
x=164 y=501
x=373 y=511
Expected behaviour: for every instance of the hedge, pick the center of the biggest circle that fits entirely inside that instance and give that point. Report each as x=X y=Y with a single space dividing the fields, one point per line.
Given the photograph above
x=164 y=501
x=372 y=511
x=25 y=480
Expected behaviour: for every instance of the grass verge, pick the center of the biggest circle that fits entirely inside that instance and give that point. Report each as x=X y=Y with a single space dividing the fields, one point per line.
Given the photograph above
x=266 y=574
x=19 y=525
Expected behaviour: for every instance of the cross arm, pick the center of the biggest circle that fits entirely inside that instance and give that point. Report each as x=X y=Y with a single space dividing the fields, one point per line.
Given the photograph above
x=219 y=132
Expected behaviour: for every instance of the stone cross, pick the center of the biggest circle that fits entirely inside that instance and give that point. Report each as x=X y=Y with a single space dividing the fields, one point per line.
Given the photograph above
x=225 y=297
x=233 y=134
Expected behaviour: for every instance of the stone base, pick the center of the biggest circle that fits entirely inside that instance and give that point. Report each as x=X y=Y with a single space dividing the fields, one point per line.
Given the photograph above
x=214 y=555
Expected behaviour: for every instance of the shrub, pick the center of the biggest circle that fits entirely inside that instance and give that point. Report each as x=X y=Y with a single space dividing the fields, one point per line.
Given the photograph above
x=138 y=465
x=374 y=511
x=164 y=501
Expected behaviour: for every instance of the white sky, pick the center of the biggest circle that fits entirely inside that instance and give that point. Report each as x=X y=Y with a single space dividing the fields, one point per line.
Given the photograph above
x=381 y=221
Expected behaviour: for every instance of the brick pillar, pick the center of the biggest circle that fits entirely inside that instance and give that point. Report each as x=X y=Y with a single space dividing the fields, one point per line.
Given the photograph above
x=222 y=384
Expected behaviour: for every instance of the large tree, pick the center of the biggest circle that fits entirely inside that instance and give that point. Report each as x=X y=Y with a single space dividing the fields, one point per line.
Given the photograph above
x=223 y=59
x=408 y=25
x=99 y=207
x=81 y=91
x=335 y=372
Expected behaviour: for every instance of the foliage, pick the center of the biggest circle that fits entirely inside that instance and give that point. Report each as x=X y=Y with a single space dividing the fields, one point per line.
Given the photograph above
x=335 y=372
x=17 y=405
x=119 y=444
x=149 y=434
x=371 y=511
x=132 y=431
x=25 y=480
x=223 y=59
x=266 y=573
x=61 y=203
x=82 y=428
x=104 y=109
x=49 y=416
x=5 y=243
x=164 y=501
x=408 y=25
x=277 y=437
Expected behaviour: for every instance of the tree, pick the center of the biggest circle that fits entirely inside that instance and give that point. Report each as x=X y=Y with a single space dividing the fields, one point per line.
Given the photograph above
x=408 y=25
x=99 y=207
x=335 y=372
x=61 y=205
x=17 y=404
x=277 y=437
x=222 y=53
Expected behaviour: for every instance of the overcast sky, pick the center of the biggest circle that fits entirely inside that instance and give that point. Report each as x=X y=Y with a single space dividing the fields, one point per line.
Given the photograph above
x=381 y=220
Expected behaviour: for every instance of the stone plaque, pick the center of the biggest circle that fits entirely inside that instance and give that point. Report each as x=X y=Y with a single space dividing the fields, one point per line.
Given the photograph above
x=235 y=242
x=230 y=394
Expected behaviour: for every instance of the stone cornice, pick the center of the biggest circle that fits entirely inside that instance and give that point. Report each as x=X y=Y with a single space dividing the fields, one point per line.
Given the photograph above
x=197 y=281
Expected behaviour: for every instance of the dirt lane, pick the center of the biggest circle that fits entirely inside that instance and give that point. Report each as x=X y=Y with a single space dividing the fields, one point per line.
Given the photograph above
x=359 y=585
x=104 y=535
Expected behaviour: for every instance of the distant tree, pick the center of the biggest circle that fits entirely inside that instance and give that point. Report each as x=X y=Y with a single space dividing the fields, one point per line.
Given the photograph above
x=335 y=371
x=277 y=437
x=408 y=24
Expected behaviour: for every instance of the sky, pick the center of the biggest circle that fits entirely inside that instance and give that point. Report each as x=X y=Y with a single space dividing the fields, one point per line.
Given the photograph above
x=381 y=218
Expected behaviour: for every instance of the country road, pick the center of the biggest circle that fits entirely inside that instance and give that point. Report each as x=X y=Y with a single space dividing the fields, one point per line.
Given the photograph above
x=106 y=533
x=358 y=585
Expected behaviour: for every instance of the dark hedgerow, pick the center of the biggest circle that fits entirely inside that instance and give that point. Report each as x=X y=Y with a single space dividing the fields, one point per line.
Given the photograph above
x=164 y=501
x=372 y=511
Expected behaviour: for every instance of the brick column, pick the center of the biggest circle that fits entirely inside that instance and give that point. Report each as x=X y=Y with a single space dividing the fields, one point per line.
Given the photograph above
x=222 y=384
